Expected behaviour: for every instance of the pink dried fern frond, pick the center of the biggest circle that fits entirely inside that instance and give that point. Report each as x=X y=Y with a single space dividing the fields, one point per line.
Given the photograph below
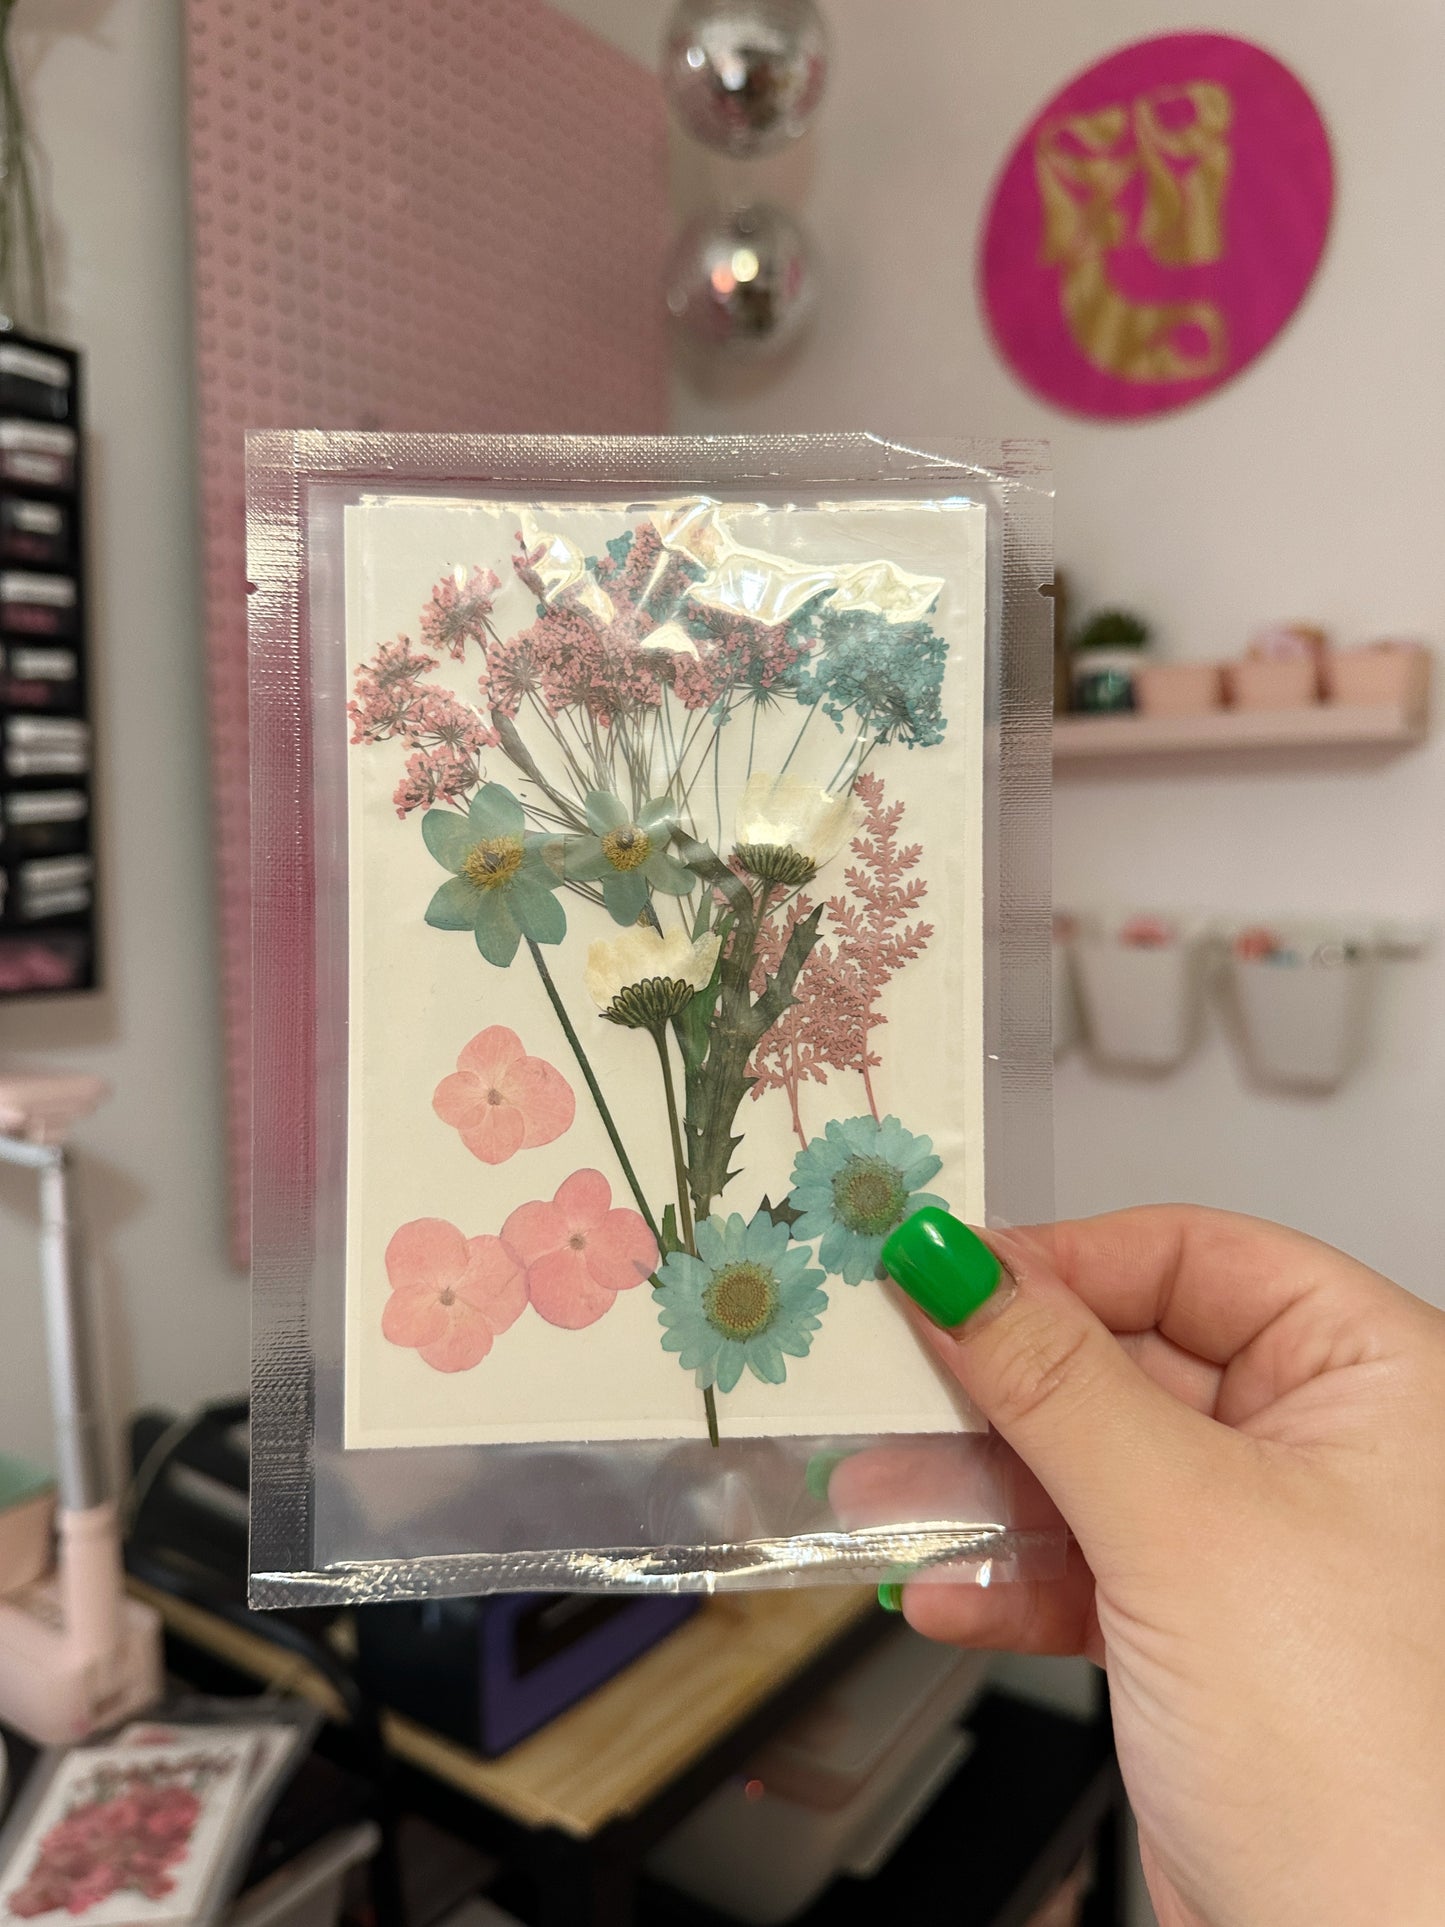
x=872 y=923
x=875 y=934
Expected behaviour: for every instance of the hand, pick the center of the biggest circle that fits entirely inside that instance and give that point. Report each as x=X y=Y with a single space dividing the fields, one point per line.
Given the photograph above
x=1245 y=1431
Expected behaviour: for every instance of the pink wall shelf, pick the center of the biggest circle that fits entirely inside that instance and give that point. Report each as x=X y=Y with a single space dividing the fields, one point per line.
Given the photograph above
x=1323 y=726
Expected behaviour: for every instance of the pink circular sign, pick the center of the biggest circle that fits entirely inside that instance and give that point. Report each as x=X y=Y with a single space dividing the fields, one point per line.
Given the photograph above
x=1157 y=225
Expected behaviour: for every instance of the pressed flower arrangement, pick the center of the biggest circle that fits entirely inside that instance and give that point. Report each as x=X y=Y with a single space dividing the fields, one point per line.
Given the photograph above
x=668 y=781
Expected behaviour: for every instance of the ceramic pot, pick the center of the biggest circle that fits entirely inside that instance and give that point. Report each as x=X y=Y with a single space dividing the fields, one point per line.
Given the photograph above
x=1179 y=688
x=1287 y=683
x=1384 y=673
x=1102 y=680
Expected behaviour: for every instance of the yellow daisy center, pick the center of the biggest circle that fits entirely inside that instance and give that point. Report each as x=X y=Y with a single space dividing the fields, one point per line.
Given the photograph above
x=870 y=1195
x=494 y=862
x=741 y=1300
x=627 y=848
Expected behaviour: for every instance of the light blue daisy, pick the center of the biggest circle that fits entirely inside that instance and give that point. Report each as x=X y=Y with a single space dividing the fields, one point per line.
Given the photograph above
x=504 y=877
x=751 y=1297
x=853 y=1185
x=626 y=856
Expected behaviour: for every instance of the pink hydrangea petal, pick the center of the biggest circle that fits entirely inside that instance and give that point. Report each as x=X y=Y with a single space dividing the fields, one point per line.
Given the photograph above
x=494 y=1282
x=497 y=1133
x=533 y=1230
x=621 y=1251
x=563 y=1294
x=582 y=1200
x=428 y=1251
x=458 y=1099
x=543 y=1096
x=414 y=1316
x=465 y=1342
x=490 y=1053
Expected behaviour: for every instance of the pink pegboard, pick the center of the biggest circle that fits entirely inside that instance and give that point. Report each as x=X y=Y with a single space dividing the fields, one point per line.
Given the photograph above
x=446 y=214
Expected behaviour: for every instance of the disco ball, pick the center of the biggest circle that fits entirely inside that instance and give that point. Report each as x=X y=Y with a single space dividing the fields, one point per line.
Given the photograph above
x=742 y=282
x=743 y=76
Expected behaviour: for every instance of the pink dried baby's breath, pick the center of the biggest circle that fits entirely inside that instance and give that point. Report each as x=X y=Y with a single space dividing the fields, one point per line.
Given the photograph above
x=433 y=776
x=459 y=612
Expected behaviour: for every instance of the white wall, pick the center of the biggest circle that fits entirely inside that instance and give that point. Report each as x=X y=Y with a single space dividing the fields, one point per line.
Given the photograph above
x=106 y=98
x=1315 y=486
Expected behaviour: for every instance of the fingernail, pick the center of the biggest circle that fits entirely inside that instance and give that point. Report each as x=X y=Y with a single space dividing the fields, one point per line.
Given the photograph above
x=821 y=1468
x=890 y=1596
x=946 y=1269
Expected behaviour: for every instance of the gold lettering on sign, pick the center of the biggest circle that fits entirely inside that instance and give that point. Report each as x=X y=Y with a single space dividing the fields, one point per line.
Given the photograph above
x=1175 y=142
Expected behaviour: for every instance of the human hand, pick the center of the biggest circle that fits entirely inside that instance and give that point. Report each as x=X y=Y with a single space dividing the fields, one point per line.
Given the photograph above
x=1245 y=1431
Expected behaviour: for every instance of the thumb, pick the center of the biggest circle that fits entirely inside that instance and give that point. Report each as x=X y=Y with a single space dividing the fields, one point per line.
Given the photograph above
x=1128 y=1465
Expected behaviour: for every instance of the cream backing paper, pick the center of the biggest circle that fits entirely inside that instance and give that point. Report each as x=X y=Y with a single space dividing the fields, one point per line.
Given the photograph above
x=418 y=994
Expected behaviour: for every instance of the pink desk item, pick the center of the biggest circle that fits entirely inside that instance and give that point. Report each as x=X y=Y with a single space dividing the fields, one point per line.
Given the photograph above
x=75 y=1653
x=42 y=1108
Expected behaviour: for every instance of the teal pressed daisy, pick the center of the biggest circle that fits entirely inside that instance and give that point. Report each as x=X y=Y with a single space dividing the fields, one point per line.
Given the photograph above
x=750 y=1298
x=503 y=876
x=627 y=854
x=853 y=1185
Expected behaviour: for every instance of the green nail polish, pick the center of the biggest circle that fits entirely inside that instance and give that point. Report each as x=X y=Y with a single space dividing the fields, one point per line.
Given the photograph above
x=821 y=1468
x=945 y=1268
x=890 y=1596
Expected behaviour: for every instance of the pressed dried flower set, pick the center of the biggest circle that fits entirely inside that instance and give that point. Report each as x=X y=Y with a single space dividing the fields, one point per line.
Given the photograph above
x=651 y=905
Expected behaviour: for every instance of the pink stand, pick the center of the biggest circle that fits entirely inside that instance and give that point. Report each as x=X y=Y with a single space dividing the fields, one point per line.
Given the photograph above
x=75 y=1653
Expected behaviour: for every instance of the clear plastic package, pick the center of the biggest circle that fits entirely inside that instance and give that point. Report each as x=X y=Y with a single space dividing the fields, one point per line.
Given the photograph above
x=651 y=909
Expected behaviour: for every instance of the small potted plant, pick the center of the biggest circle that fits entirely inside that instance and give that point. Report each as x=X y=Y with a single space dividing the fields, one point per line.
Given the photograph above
x=1179 y=688
x=1106 y=660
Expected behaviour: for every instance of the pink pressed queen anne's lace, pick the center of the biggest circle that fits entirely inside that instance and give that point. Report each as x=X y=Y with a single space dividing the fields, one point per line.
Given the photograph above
x=458 y=612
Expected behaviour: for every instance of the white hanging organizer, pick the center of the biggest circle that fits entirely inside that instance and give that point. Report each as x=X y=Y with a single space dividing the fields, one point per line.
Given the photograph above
x=1299 y=995
x=1302 y=1005
x=1141 y=985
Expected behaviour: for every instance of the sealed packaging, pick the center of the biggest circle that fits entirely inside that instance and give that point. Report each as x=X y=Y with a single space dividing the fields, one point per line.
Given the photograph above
x=651 y=911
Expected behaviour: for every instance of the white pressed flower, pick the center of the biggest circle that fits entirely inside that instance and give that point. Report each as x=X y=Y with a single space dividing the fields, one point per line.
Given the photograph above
x=642 y=979
x=787 y=829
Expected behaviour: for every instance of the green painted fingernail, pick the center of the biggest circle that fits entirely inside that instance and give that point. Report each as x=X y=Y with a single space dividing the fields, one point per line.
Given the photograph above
x=821 y=1468
x=945 y=1268
x=890 y=1596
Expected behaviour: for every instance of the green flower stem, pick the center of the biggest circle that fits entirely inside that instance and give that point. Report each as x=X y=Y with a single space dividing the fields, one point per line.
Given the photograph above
x=679 y=1162
x=596 y=1089
x=851 y=752
x=812 y=712
x=684 y=1206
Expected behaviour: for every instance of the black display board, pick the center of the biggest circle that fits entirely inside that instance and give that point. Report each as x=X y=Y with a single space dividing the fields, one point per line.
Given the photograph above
x=47 y=860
